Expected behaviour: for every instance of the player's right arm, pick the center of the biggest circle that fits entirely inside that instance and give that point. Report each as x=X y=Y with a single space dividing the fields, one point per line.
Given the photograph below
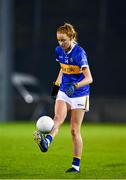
x=59 y=78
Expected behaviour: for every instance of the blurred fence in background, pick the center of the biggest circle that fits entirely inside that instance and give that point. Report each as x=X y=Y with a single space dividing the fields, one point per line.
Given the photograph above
x=107 y=109
x=102 y=109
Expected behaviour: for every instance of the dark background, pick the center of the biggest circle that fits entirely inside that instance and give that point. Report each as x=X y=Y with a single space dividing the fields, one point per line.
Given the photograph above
x=101 y=27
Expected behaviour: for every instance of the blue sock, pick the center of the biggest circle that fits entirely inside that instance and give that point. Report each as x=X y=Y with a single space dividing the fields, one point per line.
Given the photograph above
x=49 y=139
x=76 y=163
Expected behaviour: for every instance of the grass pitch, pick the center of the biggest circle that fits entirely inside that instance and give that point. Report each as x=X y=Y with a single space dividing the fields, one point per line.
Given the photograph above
x=104 y=154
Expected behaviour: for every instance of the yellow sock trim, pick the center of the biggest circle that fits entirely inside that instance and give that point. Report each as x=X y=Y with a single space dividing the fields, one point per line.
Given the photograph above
x=77 y=157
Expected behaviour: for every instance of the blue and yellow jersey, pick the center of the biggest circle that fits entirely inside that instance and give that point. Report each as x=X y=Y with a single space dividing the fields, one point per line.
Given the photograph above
x=71 y=64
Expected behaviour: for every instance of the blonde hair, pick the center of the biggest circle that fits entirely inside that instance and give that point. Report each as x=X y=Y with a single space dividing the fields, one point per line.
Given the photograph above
x=69 y=30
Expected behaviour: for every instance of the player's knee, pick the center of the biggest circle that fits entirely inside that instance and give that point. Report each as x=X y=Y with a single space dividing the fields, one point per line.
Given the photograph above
x=74 y=132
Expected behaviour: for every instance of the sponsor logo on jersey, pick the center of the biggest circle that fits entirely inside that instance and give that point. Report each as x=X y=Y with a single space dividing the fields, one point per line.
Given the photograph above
x=70 y=69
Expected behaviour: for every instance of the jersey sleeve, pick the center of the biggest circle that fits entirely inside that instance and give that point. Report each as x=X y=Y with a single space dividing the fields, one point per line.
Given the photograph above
x=57 y=53
x=82 y=59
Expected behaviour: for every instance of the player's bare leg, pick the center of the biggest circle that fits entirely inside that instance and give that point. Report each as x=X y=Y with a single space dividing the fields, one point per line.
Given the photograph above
x=76 y=121
x=61 y=109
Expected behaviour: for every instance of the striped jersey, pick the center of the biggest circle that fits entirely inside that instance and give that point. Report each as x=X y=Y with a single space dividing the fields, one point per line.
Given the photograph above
x=71 y=64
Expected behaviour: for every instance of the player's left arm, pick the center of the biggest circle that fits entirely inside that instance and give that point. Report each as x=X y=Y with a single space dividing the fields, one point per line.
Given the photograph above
x=87 y=80
x=88 y=77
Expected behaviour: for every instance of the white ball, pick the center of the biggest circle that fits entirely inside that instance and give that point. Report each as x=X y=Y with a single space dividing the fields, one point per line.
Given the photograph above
x=45 y=124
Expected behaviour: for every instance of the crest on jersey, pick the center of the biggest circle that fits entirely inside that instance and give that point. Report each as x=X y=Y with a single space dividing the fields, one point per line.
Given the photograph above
x=71 y=60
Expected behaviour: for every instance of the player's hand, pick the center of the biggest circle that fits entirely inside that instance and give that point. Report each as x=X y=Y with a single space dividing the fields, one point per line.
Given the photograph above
x=70 y=89
x=55 y=89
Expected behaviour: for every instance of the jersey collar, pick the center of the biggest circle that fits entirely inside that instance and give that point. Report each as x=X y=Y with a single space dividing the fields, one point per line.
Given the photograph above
x=74 y=44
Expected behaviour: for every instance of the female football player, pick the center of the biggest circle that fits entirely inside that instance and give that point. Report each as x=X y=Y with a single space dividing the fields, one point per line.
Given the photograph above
x=71 y=89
